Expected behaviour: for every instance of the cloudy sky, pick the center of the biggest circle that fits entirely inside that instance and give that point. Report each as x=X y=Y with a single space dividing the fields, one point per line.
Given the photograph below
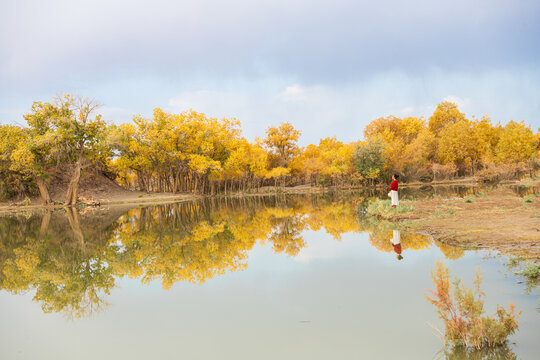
x=328 y=67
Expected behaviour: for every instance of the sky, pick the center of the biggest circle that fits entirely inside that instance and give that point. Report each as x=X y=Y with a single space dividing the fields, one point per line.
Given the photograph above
x=327 y=67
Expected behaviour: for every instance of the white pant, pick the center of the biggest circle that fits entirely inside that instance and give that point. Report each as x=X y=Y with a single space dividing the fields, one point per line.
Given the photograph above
x=394 y=196
x=396 y=238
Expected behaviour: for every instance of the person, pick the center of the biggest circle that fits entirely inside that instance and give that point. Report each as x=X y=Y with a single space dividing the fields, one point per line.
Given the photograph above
x=393 y=191
x=396 y=243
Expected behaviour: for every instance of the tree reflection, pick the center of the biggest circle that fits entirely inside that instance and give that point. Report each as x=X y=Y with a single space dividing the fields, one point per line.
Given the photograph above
x=60 y=257
x=72 y=259
x=502 y=352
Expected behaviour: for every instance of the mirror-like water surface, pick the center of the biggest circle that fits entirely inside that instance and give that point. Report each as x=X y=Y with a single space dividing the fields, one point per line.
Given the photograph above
x=297 y=277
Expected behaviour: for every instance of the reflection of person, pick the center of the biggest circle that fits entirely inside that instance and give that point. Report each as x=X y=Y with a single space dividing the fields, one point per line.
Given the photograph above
x=396 y=243
x=393 y=191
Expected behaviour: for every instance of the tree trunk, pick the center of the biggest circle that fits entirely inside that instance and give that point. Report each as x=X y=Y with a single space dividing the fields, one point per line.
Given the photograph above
x=43 y=192
x=45 y=220
x=75 y=225
x=73 y=188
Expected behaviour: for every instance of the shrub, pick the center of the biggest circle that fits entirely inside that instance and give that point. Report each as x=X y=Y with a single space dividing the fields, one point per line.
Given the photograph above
x=462 y=311
x=531 y=271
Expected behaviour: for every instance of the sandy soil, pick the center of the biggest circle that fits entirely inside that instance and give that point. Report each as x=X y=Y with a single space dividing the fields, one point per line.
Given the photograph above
x=95 y=188
x=499 y=220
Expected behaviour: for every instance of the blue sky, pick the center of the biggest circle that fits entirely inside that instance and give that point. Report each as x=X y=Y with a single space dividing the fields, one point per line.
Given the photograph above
x=328 y=67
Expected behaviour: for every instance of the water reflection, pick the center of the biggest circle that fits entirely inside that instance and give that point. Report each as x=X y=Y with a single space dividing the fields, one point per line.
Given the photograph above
x=72 y=259
x=396 y=243
x=493 y=353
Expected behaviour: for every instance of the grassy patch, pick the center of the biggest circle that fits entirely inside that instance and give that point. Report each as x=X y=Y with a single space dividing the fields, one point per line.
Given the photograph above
x=438 y=214
x=384 y=209
x=469 y=199
x=529 y=199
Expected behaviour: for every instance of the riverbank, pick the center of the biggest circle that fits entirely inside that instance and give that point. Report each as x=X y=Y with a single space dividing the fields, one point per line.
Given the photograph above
x=499 y=220
x=102 y=191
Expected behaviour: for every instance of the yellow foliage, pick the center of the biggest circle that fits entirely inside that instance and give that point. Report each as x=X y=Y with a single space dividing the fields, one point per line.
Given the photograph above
x=517 y=143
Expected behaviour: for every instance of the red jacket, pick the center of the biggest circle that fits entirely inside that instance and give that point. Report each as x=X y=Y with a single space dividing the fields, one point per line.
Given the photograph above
x=393 y=185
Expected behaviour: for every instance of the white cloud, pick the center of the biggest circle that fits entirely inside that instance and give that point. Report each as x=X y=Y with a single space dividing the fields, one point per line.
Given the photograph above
x=294 y=93
x=321 y=110
x=460 y=102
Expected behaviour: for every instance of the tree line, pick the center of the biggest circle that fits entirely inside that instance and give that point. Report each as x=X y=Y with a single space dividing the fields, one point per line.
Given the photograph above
x=190 y=152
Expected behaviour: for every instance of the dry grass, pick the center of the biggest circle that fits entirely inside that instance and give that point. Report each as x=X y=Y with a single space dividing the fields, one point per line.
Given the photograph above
x=500 y=221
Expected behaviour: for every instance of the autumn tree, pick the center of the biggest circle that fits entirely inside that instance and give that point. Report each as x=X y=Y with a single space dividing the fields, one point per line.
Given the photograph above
x=308 y=164
x=406 y=143
x=63 y=132
x=517 y=143
x=461 y=145
x=445 y=114
x=14 y=177
x=282 y=141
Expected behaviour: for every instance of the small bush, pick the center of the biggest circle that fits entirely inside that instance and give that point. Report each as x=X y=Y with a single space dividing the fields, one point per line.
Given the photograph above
x=384 y=209
x=531 y=271
x=462 y=311
x=469 y=199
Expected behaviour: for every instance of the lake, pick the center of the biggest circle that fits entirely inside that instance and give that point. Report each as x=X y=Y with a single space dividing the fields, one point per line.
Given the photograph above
x=277 y=277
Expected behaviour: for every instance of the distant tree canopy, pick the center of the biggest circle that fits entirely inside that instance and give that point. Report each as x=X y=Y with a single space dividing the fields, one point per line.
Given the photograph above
x=190 y=152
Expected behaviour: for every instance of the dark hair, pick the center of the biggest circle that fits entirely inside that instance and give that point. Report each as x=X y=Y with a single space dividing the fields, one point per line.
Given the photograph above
x=396 y=176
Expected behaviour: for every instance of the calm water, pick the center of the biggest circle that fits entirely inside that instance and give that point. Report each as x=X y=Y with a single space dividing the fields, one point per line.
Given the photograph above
x=261 y=278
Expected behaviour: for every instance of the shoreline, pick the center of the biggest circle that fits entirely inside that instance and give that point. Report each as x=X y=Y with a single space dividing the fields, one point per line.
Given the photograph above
x=499 y=220
x=126 y=197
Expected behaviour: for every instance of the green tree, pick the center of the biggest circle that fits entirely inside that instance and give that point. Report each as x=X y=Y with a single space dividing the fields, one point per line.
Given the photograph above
x=368 y=159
